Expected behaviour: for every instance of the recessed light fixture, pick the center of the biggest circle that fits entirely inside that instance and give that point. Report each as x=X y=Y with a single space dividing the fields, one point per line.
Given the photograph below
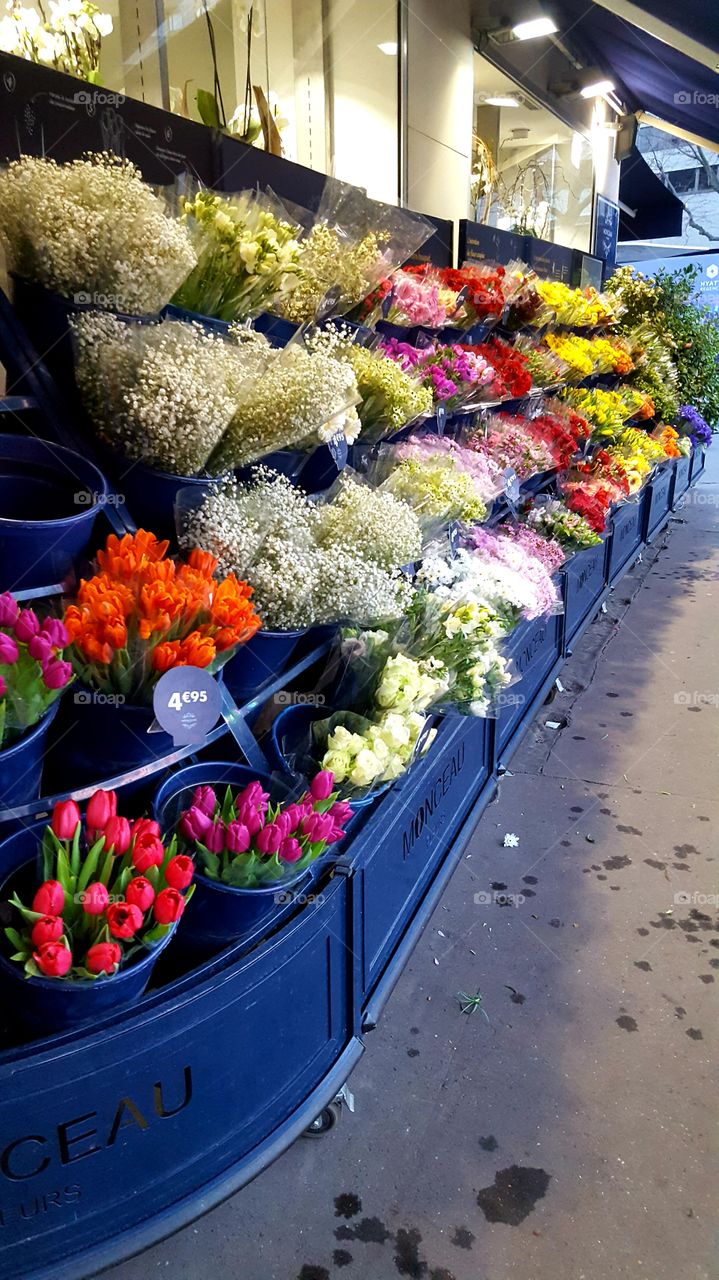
x=534 y=28
x=597 y=89
x=389 y=47
x=501 y=101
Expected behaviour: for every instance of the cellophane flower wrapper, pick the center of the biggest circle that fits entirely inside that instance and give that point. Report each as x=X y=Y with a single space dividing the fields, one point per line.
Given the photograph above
x=304 y=398
x=488 y=290
x=553 y=519
x=513 y=378
x=92 y=228
x=163 y=394
x=144 y=612
x=691 y=421
x=546 y=368
x=354 y=243
x=33 y=667
x=247 y=249
x=440 y=479
x=369 y=753
x=525 y=561
x=415 y=297
x=306 y=564
x=509 y=443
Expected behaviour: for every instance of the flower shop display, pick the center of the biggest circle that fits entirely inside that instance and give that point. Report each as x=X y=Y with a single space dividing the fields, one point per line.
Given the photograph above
x=94 y=901
x=143 y=613
x=411 y=298
x=607 y=411
x=509 y=442
x=92 y=231
x=439 y=478
x=163 y=394
x=453 y=374
x=553 y=519
x=585 y=308
x=247 y=255
x=67 y=35
x=638 y=453
x=546 y=368
x=590 y=488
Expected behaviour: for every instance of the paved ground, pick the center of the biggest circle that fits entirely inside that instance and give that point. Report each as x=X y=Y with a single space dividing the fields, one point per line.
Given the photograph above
x=566 y=1134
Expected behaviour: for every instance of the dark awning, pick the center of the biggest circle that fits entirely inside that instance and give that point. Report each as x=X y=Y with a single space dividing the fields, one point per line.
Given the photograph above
x=658 y=211
x=650 y=75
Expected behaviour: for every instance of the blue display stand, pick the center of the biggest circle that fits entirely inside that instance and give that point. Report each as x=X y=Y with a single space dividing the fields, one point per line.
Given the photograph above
x=585 y=580
x=658 y=502
x=682 y=474
x=626 y=538
x=536 y=651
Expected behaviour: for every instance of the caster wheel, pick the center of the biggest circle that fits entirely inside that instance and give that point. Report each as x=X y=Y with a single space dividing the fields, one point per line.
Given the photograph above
x=327 y=1120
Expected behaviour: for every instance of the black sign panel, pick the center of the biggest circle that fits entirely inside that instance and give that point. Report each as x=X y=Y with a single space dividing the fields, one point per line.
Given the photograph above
x=438 y=250
x=478 y=243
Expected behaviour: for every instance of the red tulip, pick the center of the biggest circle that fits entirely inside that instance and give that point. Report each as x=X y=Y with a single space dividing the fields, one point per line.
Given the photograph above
x=53 y=959
x=101 y=806
x=95 y=899
x=140 y=893
x=147 y=851
x=123 y=919
x=117 y=835
x=49 y=899
x=48 y=929
x=169 y=906
x=103 y=957
x=144 y=826
x=65 y=817
x=179 y=871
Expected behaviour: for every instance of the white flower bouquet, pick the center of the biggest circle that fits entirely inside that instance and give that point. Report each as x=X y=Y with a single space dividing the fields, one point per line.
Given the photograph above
x=302 y=399
x=92 y=230
x=166 y=393
x=68 y=36
x=246 y=255
x=275 y=538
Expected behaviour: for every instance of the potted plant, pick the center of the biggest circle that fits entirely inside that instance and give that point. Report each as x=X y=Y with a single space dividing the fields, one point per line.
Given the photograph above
x=141 y=614
x=89 y=925
x=33 y=674
x=251 y=853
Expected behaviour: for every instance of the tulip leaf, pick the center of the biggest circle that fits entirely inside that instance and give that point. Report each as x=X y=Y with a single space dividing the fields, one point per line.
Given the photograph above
x=211 y=861
x=75 y=851
x=15 y=938
x=106 y=869
x=228 y=807
x=156 y=933
x=90 y=865
x=25 y=912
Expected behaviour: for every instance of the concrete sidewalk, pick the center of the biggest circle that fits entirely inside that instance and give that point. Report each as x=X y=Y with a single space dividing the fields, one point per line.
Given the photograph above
x=563 y=1130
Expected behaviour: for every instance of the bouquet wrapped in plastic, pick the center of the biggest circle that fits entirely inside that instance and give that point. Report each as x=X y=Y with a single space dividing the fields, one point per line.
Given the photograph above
x=439 y=478
x=33 y=668
x=510 y=442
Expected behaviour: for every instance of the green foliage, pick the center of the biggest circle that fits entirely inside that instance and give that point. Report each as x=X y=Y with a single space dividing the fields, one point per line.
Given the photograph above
x=689 y=333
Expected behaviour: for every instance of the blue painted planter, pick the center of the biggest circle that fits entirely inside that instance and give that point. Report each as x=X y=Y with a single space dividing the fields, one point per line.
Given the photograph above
x=150 y=495
x=50 y=498
x=658 y=502
x=535 y=648
x=92 y=740
x=219 y=916
x=626 y=536
x=43 y=1006
x=584 y=583
x=265 y=656
x=699 y=461
x=21 y=764
x=682 y=472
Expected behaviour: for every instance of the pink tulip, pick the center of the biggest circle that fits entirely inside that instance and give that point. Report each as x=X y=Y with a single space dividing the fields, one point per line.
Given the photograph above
x=95 y=899
x=194 y=824
x=214 y=839
x=290 y=850
x=205 y=799
x=322 y=785
x=248 y=815
x=27 y=625
x=9 y=651
x=56 y=674
x=341 y=811
x=9 y=609
x=269 y=839
x=237 y=837
x=40 y=648
x=56 y=632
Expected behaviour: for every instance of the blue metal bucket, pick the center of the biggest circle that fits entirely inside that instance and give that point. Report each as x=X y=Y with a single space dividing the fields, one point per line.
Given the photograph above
x=46 y=1005
x=265 y=656
x=277 y=331
x=287 y=731
x=50 y=498
x=21 y=764
x=171 y=312
x=218 y=914
x=150 y=494
x=94 y=739
x=174 y=794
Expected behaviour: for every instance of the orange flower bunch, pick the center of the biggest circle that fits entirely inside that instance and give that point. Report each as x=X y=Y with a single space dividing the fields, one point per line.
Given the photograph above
x=667 y=438
x=144 y=612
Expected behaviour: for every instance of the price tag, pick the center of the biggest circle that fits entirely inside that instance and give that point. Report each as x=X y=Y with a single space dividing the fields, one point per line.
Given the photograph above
x=511 y=485
x=441 y=419
x=187 y=703
x=454 y=537
x=337 y=445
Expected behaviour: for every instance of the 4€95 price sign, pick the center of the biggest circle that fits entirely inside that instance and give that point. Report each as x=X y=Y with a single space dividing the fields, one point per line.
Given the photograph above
x=187 y=703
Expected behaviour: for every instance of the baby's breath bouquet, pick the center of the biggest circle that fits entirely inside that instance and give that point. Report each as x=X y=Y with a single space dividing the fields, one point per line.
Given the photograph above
x=247 y=255
x=334 y=272
x=391 y=395
x=284 y=545
x=165 y=393
x=92 y=229
x=302 y=399
x=371 y=522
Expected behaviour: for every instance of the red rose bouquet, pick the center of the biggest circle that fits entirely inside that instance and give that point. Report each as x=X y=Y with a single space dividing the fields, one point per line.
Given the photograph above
x=109 y=889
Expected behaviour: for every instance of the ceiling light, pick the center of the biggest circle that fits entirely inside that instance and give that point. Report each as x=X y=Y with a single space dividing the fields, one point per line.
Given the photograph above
x=389 y=47
x=535 y=27
x=597 y=89
x=501 y=102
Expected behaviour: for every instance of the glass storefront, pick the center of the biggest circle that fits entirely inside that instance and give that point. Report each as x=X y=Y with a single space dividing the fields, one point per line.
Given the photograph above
x=531 y=173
